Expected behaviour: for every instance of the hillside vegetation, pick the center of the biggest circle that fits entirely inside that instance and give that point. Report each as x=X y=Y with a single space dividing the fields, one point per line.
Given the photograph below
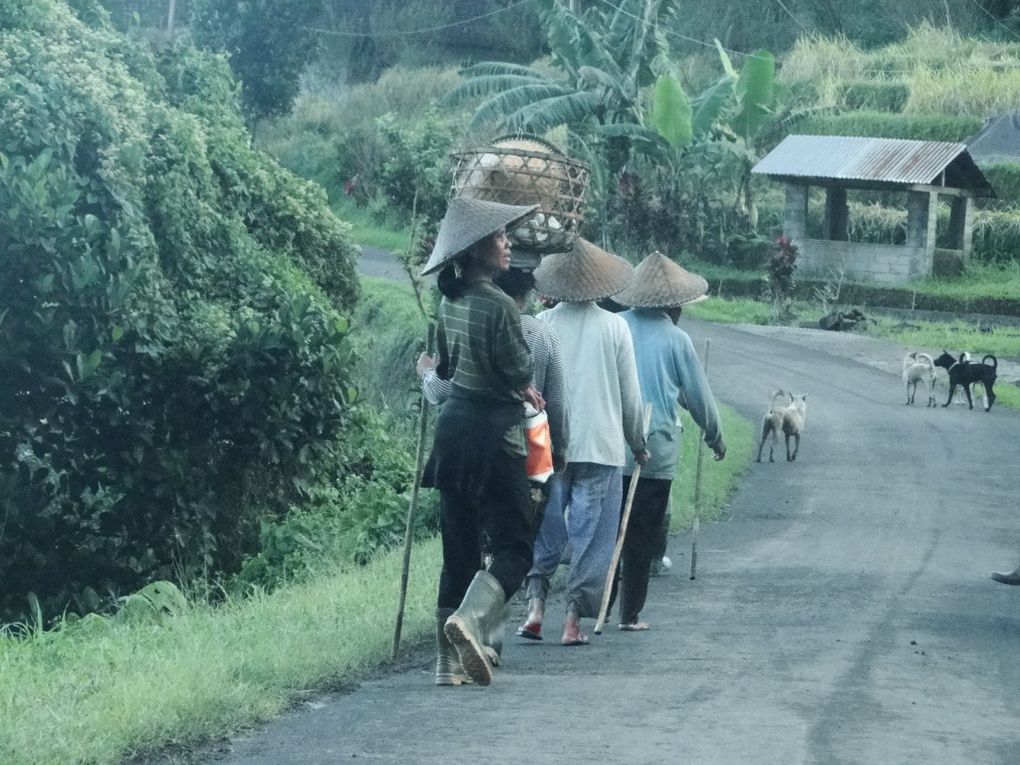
x=933 y=85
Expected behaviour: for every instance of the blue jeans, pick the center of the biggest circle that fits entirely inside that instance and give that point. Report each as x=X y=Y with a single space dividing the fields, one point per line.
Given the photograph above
x=593 y=495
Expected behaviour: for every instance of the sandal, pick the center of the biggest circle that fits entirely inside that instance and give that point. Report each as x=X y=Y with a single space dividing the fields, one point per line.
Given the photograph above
x=635 y=627
x=530 y=630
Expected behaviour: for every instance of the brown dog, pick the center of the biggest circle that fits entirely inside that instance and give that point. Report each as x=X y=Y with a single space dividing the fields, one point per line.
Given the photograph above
x=789 y=419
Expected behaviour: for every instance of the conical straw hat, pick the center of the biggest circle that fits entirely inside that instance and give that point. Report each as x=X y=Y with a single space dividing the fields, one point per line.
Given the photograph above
x=469 y=221
x=587 y=272
x=660 y=283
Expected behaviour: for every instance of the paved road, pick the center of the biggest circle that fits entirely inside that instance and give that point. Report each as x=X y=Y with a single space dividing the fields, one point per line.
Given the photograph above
x=842 y=612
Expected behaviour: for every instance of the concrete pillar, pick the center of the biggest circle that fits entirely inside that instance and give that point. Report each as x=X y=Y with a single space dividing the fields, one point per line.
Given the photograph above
x=921 y=221
x=837 y=214
x=961 y=226
x=795 y=215
x=917 y=219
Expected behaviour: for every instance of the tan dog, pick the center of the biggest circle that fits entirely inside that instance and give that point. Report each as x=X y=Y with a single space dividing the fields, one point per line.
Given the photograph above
x=789 y=419
x=919 y=368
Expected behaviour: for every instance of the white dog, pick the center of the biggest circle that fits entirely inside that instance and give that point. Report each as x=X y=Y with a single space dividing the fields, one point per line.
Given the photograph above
x=789 y=419
x=919 y=368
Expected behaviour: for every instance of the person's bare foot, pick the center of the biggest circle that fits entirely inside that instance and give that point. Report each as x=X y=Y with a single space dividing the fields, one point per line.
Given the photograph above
x=572 y=634
x=637 y=626
x=532 y=627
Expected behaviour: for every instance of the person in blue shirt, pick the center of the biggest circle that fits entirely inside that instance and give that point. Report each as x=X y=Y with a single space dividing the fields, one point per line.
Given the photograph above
x=669 y=374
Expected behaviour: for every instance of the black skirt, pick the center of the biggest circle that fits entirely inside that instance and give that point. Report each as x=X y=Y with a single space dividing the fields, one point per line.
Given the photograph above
x=470 y=438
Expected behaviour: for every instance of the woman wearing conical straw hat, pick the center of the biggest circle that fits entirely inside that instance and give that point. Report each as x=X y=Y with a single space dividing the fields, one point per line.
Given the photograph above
x=478 y=455
x=604 y=408
x=670 y=374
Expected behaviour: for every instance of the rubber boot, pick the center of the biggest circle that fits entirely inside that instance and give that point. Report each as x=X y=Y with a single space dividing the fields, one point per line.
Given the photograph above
x=494 y=638
x=470 y=624
x=448 y=668
x=1011 y=577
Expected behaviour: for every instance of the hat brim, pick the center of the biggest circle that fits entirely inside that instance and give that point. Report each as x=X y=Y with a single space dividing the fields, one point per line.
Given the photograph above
x=662 y=283
x=469 y=221
x=585 y=273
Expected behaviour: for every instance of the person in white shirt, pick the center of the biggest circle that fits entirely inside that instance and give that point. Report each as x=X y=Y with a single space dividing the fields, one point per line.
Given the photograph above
x=604 y=413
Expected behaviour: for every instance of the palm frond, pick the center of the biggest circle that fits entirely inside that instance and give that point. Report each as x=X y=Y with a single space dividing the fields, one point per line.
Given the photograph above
x=498 y=67
x=642 y=140
x=486 y=85
x=499 y=106
x=571 y=109
x=594 y=77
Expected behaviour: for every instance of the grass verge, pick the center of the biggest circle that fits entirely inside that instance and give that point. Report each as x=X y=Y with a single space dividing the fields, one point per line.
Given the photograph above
x=102 y=690
x=718 y=479
x=366 y=230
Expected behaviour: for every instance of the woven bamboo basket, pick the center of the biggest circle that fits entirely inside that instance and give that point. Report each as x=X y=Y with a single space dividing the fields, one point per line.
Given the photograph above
x=525 y=171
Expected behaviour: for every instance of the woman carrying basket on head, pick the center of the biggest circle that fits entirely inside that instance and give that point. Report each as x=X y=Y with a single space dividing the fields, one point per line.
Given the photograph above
x=478 y=456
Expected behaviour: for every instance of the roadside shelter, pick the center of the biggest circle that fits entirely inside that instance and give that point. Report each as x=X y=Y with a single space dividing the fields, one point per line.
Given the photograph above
x=922 y=170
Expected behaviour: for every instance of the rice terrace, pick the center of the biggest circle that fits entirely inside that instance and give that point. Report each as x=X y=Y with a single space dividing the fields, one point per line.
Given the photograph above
x=325 y=325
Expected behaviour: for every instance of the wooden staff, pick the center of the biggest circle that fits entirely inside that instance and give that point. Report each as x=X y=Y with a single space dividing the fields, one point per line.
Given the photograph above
x=412 y=508
x=624 y=519
x=697 y=482
x=423 y=411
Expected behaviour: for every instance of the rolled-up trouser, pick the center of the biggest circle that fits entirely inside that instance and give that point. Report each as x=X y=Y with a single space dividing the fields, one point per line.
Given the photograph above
x=592 y=493
x=503 y=515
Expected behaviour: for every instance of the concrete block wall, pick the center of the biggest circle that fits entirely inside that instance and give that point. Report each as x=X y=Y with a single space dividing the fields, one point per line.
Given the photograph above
x=888 y=264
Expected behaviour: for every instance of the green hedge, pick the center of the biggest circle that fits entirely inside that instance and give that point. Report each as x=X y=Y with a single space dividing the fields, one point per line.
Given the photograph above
x=875 y=95
x=922 y=127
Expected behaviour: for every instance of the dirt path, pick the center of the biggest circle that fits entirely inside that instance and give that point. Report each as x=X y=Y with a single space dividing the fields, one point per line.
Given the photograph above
x=842 y=613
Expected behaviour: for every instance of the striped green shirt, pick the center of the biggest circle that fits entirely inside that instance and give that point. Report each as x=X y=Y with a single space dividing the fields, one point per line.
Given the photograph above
x=481 y=345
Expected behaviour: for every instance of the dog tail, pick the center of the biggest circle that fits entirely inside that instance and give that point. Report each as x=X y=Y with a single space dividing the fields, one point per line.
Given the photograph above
x=776 y=394
x=995 y=361
x=924 y=358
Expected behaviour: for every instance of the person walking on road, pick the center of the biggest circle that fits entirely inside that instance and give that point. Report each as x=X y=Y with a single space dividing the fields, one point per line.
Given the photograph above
x=478 y=456
x=670 y=375
x=604 y=411
x=546 y=356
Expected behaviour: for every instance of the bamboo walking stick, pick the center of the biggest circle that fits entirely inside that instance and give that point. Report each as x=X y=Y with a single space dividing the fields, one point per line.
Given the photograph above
x=607 y=592
x=419 y=452
x=412 y=510
x=697 y=483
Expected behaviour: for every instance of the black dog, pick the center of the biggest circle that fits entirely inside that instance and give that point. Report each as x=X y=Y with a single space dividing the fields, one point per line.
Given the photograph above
x=964 y=373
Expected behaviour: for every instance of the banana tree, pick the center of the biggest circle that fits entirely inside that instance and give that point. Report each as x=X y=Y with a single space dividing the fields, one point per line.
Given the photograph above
x=603 y=57
x=735 y=113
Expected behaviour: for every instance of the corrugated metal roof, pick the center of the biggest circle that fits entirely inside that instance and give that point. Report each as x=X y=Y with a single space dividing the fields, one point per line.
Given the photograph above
x=887 y=160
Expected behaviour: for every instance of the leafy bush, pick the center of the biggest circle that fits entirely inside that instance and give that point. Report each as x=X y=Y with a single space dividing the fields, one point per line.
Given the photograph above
x=779 y=282
x=923 y=127
x=269 y=44
x=172 y=357
x=376 y=142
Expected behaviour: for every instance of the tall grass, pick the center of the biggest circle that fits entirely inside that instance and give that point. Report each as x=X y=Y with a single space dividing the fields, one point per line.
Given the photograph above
x=963 y=89
x=817 y=57
x=103 y=690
